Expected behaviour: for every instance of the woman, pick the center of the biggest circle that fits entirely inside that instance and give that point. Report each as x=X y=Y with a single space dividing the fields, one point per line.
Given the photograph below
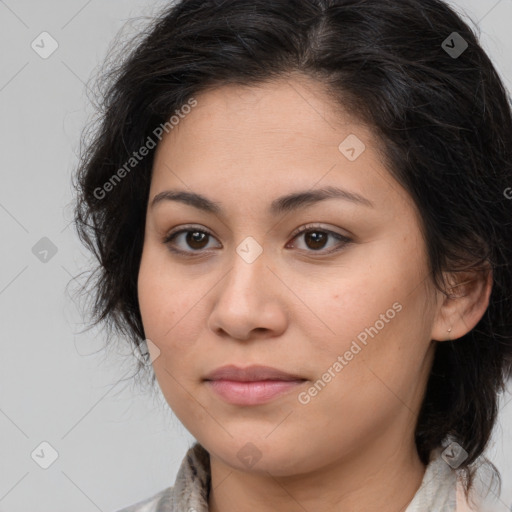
x=301 y=216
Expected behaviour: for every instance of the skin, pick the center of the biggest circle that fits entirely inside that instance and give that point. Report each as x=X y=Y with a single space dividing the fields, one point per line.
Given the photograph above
x=295 y=307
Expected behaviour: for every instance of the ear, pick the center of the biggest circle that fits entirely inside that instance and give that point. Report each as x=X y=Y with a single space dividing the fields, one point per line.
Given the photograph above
x=464 y=304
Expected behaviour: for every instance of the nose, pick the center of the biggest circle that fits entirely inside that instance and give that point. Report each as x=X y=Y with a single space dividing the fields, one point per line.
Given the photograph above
x=249 y=301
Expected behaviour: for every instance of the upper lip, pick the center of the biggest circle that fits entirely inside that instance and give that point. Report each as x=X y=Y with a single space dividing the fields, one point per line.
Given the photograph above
x=251 y=374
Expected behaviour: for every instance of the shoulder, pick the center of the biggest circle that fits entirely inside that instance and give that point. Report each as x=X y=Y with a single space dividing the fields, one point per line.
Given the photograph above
x=160 y=502
x=190 y=490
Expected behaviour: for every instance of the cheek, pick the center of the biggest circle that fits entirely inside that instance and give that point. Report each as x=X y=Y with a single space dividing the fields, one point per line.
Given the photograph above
x=355 y=303
x=154 y=304
x=173 y=318
x=372 y=320
x=164 y=306
x=163 y=300
x=378 y=351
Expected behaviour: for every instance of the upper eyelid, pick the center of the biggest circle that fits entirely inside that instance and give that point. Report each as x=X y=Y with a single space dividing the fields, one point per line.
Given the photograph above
x=297 y=231
x=310 y=227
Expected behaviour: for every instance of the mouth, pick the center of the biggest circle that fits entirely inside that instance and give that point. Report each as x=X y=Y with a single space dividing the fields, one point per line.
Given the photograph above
x=252 y=385
x=254 y=373
x=252 y=392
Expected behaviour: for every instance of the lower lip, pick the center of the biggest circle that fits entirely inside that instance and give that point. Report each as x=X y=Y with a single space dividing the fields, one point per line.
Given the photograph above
x=252 y=393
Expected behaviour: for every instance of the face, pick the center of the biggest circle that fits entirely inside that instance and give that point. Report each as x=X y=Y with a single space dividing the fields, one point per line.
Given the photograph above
x=346 y=306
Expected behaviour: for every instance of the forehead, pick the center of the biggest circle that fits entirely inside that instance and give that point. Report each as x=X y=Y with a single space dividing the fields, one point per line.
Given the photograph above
x=277 y=136
x=276 y=112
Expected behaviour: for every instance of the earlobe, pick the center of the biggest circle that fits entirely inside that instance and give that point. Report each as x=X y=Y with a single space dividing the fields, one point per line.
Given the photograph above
x=463 y=305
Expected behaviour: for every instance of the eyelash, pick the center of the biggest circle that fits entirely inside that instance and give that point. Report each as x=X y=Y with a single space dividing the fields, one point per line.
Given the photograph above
x=304 y=229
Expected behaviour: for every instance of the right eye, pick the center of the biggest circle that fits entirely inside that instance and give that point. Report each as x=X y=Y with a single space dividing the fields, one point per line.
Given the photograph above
x=195 y=238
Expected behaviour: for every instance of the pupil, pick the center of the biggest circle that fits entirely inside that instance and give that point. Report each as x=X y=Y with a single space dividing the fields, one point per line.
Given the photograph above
x=193 y=235
x=317 y=239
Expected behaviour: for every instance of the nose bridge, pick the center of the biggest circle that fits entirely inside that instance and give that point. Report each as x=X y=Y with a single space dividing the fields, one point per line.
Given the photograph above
x=248 y=266
x=249 y=250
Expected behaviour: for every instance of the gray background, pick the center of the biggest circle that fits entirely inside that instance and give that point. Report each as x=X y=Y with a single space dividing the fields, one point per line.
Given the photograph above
x=115 y=444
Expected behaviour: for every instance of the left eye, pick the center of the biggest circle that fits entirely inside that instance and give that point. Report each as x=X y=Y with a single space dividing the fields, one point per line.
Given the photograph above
x=315 y=238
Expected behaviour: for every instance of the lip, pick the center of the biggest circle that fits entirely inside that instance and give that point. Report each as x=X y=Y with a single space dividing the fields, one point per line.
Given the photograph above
x=252 y=385
x=251 y=374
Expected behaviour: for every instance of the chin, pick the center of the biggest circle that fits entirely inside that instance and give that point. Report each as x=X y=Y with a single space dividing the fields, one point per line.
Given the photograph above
x=257 y=455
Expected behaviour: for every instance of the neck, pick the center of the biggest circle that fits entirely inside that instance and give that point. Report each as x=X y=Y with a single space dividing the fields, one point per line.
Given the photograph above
x=377 y=479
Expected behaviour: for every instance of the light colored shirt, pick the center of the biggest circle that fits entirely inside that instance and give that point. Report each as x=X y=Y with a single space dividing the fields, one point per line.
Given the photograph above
x=440 y=490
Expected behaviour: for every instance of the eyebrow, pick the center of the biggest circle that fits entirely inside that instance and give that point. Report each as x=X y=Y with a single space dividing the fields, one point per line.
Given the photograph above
x=281 y=205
